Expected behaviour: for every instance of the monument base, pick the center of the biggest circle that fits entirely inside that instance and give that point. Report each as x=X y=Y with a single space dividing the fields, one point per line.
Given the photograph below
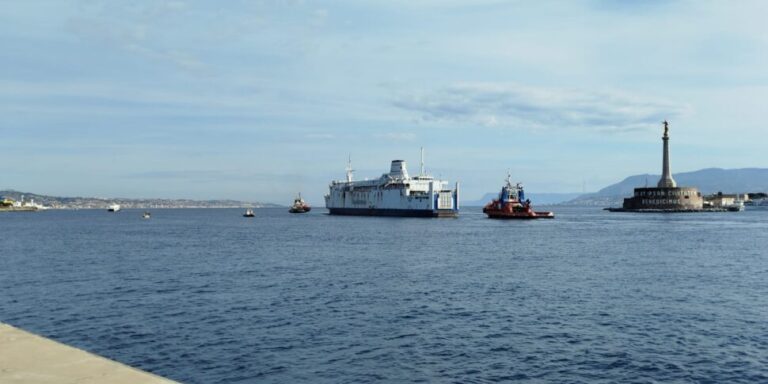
x=672 y=199
x=666 y=210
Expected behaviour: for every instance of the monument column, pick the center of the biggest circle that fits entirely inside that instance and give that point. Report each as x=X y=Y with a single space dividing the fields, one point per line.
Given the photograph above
x=666 y=180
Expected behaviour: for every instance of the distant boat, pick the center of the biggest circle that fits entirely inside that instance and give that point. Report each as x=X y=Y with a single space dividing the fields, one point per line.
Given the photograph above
x=114 y=208
x=736 y=206
x=146 y=215
x=299 y=206
x=249 y=213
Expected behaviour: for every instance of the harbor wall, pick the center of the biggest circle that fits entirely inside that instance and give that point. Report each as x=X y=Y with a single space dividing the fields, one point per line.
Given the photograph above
x=26 y=358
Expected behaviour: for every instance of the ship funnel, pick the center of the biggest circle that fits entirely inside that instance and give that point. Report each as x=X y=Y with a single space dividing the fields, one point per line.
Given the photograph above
x=398 y=170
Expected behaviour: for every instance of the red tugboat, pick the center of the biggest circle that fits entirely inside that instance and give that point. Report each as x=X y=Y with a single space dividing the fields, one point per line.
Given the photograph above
x=512 y=204
x=299 y=206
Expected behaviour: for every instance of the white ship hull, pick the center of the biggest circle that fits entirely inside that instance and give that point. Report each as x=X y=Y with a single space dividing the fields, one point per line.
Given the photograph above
x=393 y=212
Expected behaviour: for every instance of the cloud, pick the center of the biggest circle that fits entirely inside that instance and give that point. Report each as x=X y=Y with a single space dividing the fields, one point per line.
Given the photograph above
x=192 y=175
x=140 y=30
x=180 y=59
x=321 y=136
x=319 y=17
x=632 y=7
x=396 y=136
x=98 y=98
x=208 y=175
x=516 y=106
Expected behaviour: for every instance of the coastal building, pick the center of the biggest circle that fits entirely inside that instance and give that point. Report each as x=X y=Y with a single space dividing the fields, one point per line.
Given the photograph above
x=724 y=200
x=666 y=196
x=8 y=204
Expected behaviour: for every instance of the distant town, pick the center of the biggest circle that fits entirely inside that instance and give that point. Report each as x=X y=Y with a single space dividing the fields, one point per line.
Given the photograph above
x=55 y=202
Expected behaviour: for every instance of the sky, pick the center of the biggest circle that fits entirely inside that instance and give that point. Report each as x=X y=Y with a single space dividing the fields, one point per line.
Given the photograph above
x=260 y=100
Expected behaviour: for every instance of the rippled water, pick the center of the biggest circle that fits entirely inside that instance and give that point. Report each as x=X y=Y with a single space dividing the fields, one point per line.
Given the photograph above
x=207 y=296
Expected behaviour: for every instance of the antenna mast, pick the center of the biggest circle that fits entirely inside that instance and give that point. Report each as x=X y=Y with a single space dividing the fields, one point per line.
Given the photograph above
x=349 y=169
x=422 y=161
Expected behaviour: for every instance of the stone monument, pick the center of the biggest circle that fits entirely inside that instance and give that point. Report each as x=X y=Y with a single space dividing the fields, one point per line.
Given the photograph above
x=667 y=196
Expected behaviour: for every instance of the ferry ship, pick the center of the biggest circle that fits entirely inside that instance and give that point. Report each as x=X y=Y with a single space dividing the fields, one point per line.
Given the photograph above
x=393 y=194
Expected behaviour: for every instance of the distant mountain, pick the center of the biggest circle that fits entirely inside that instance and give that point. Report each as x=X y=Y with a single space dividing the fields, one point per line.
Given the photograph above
x=540 y=198
x=103 y=203
x=710 y=180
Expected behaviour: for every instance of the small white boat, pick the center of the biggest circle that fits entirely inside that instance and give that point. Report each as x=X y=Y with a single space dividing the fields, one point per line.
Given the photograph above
x=114 y=208
x=249 y=213
x=146 y=215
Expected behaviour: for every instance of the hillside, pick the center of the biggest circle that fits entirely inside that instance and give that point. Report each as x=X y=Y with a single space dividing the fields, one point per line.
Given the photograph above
x=710 y=180
x=538 y=198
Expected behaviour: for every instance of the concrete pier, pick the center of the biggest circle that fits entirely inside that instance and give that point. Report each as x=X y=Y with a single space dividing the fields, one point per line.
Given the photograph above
x=26 y=358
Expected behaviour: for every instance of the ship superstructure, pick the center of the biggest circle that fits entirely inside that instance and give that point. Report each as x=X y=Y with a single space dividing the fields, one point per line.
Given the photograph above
x=393 y=194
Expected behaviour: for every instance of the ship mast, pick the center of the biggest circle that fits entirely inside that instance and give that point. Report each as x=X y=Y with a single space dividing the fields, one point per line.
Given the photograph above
x=349 y=169
x=422 y=162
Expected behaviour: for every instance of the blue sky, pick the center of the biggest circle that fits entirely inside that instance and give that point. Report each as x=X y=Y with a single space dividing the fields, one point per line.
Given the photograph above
x=258 y=100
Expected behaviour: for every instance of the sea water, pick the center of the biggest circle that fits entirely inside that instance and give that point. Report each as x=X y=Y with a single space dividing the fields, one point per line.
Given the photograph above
x=208 y=296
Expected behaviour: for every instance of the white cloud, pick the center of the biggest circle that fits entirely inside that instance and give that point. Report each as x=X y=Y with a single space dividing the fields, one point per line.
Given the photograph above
x=516 y=106
x=140 y=30
x=396 y=136
x=321 y=136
